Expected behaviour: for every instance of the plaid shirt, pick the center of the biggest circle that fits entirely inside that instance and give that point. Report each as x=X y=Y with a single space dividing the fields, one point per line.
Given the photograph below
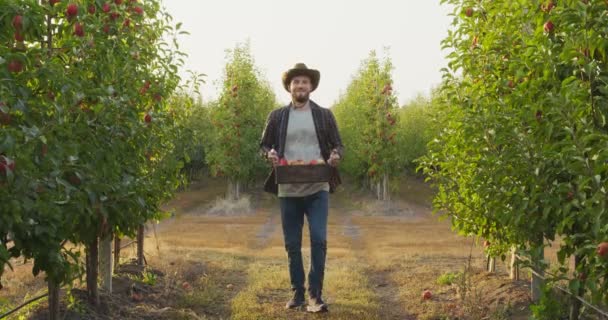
x=275 y=134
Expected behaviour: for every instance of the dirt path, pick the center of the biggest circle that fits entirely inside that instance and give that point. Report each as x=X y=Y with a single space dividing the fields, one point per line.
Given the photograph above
x=380 y=259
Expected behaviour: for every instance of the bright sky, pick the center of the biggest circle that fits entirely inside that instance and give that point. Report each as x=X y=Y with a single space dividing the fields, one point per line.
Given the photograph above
x=333 y=36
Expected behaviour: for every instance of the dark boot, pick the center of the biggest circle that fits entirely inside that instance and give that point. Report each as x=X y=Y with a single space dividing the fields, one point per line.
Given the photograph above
x=316 y=304
x=298 y=300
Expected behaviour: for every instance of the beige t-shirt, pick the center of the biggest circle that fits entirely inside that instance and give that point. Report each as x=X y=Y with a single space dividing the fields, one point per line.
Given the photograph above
x=301 y=144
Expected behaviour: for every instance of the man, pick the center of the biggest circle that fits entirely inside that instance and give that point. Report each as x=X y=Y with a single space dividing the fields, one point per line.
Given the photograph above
x=305 y=131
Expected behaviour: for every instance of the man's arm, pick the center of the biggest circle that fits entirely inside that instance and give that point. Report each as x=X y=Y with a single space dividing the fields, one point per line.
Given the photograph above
x=334 y=135
x=268 y=142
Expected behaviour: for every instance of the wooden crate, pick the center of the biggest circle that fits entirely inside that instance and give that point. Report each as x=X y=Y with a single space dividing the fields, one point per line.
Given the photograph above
x=308 y=173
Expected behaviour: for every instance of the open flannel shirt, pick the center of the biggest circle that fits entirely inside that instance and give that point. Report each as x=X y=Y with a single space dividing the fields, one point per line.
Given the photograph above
x=275 y=134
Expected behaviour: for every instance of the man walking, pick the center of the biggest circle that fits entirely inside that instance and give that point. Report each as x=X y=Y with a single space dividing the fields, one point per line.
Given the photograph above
x=304 y=131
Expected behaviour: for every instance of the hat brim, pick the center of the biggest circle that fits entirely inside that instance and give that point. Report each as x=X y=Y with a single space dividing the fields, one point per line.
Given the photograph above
x=313 y=74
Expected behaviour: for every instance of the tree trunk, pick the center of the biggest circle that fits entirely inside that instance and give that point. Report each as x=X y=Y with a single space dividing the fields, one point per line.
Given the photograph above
x=140 y=245
x=53 y=300
x=386 y=194
x=237 y=190
x=116 y=252
x=379 y=191
x=491 y=264
x=514 y=267
x=538 y=272
x=92 y=271
x=105 y=263
x=575 y=304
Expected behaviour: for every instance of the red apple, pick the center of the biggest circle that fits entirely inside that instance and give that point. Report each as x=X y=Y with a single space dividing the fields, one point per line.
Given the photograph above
x=186 y=285
x=5 y=118
x=126 y=23
x=548 y=6
x=72 y=10
x=92 y=9
x=158 y=97
x=539 y=115
x=44 y=149
x=148 y=118
x=138 y=10
x=78 y=29
x=106 y=7
x=137 y=297
x=15 y=66
x=469 y=12
x=387 y=89
x=426 y=295
x=548 y=26
x=118 y=2
x=235 y=88
x=106 y=28
x=6 y=165
x=511 y=84
x=18 y=22
x=602 y=249
x=74 y=179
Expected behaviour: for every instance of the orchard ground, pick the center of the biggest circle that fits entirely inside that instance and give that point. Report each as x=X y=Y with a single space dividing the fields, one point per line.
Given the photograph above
x=233 y=266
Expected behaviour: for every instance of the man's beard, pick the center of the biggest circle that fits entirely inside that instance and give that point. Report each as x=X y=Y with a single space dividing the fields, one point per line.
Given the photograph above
x=300 y=98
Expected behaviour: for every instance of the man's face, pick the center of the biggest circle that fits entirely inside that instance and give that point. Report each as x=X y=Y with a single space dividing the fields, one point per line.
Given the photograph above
x=300 y=88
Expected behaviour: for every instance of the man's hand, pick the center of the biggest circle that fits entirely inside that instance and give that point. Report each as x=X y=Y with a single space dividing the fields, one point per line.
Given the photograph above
x=334 y=158
x=272 y=157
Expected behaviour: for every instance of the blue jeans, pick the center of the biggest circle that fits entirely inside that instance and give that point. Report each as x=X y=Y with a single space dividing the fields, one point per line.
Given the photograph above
x=293 y=210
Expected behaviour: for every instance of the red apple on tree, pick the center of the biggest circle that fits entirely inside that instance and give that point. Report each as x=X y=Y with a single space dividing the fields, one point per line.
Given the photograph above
x=18 y=22
x=138 y=10
x=147 y=118
x=106 y=7
x=72 y=10
x=78 y=29
x=92 y=9
x=469 y=12
x=44 y=150
x=5 y=118
x=548 y=26
x=570 y=195
x=6 y=165
x=602 y=249
x=15 y=66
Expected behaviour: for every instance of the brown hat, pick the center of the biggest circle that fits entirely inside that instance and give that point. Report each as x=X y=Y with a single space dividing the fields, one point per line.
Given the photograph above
x=301 y=69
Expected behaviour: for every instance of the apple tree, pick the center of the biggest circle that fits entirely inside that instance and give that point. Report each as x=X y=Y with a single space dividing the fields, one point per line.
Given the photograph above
x=238 y=117
x=367 y=114
x=522 y=154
